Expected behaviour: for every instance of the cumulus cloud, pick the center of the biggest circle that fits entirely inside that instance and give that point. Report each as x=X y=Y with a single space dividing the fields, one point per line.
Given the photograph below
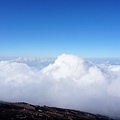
x=69 y=82
x=38 y=63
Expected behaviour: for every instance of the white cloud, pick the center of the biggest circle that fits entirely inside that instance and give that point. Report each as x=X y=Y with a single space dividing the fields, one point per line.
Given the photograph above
x=70 y=82
x=38 y=63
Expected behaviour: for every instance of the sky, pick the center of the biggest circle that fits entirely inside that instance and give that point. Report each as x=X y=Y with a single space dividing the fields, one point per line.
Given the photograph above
x=48 y=28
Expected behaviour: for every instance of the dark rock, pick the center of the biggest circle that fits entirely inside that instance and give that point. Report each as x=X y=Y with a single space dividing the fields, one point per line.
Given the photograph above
x=25 y=111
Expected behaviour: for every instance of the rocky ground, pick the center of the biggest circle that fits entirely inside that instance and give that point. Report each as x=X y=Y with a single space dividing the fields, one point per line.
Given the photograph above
x=25 y=111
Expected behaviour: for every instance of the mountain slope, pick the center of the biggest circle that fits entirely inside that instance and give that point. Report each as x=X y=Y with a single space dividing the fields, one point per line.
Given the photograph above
x=25 y=111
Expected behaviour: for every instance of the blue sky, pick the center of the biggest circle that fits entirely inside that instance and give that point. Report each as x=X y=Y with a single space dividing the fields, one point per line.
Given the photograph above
x=47 y=28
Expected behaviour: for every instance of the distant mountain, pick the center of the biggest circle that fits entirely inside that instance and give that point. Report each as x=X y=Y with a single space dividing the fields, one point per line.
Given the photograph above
x=25 y=111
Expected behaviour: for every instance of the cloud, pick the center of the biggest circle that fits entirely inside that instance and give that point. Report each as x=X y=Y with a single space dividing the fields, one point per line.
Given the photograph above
x=38 y=63
x=69 y=82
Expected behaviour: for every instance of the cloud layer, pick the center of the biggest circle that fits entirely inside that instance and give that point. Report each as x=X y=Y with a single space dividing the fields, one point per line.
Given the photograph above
x=70 y=82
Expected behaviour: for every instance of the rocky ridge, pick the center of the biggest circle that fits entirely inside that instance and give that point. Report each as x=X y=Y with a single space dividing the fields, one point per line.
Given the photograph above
x=25 y=111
